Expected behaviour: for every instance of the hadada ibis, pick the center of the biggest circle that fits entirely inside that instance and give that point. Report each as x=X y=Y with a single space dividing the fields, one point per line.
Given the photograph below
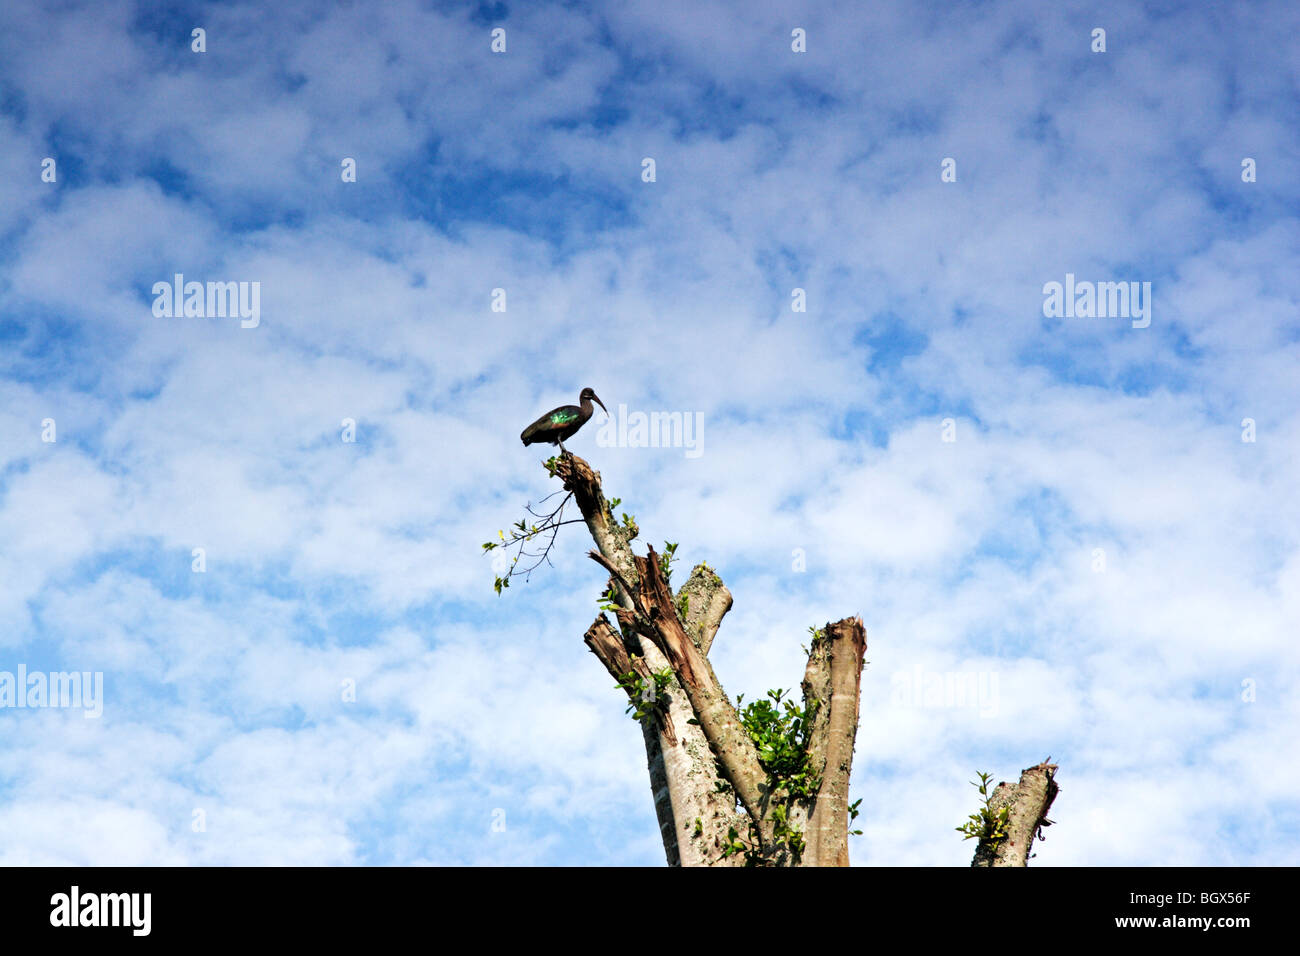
x=561 y=423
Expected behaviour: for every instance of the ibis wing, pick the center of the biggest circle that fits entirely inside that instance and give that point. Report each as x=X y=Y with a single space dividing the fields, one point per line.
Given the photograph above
x=550 y=423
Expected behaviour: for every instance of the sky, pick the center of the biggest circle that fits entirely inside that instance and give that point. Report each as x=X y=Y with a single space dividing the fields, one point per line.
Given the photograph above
x=263 y=531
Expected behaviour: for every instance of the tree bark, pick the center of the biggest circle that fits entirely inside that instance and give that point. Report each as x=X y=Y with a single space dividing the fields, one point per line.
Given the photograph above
x=1028 y=802
x=833 y=680
x=695 y=807
x=683 y=779
x=706 y=600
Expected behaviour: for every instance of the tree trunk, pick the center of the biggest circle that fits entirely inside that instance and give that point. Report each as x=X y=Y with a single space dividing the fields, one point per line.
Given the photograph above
x=1028 y=803
x=718 y=804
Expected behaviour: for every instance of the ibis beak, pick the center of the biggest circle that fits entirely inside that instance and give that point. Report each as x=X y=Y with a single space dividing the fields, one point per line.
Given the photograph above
x=600 y=403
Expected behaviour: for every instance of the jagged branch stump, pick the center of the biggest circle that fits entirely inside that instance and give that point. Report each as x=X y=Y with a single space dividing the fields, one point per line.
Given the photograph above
x=1027 y=803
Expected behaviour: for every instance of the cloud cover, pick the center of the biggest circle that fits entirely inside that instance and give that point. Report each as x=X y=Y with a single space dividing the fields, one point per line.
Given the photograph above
x=330 y=561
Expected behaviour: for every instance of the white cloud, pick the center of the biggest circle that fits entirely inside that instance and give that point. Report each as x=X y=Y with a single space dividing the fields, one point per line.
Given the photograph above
x=331 y=561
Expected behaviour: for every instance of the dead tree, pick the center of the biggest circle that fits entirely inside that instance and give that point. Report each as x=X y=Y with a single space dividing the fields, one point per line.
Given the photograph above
x=768 y=785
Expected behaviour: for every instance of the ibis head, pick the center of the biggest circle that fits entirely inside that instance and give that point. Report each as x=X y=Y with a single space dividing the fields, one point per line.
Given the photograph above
x=586 y=398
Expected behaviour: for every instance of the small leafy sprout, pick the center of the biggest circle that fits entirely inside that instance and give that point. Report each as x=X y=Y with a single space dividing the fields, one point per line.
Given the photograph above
x=734 y=843
x=646 y=698
x=629 y=521
x=629 y=528
x=609 y=600
x=986 y=823
x=750 y=846
x=853 y=815
x=738 y=844
x=779 y=729
x=666 y=560
x=552 y=464
x=817 y=637
x=784 y=833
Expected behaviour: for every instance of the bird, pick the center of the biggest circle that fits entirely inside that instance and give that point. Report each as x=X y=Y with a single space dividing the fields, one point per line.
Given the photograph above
x=561 y=423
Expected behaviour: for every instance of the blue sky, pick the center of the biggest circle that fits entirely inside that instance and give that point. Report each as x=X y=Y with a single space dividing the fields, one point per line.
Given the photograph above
x=1098 y=544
